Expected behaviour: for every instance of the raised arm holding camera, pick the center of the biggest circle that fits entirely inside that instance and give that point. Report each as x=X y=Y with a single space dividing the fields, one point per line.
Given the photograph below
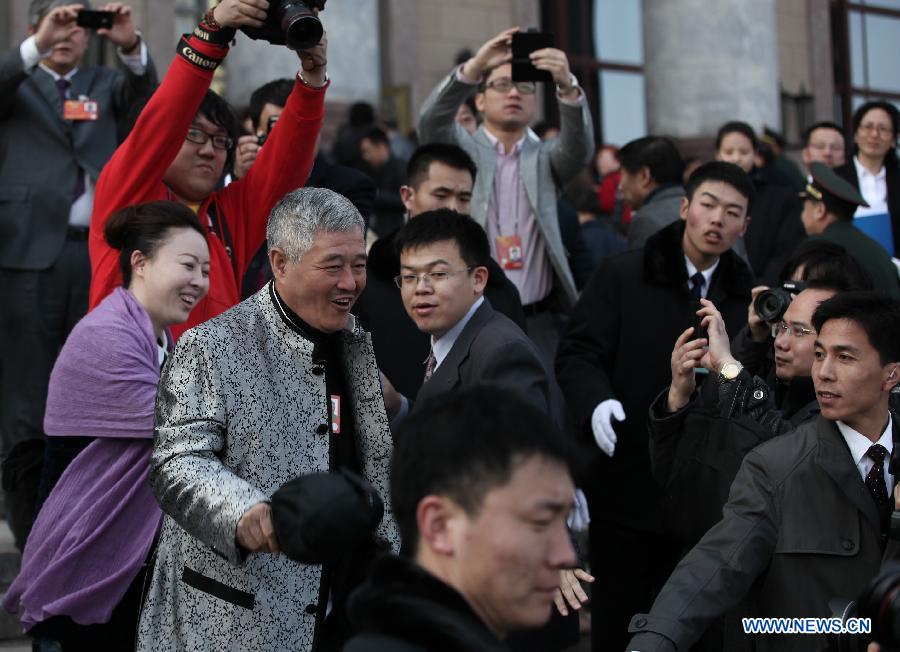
x=519 y=177
x=182 y=141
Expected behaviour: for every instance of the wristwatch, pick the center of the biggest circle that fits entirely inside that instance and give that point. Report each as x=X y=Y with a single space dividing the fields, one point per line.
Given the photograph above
x=573 y=83
x=729 y=370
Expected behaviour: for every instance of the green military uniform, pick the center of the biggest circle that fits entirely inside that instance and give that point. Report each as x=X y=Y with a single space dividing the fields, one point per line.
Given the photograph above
x=841 y=199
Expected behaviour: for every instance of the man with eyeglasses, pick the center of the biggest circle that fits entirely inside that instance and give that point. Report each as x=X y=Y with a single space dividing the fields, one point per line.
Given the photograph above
x=823 y=142
x=519 y=177
x=829 y=203
x=807 y=516
x=443 y=274
x=183 y=141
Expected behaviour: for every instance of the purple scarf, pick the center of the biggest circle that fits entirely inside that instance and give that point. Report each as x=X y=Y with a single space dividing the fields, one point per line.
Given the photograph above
x=95 y=530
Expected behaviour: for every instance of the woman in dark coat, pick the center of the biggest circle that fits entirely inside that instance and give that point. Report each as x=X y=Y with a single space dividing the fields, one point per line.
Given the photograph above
x=775 y=227
x=874 y=171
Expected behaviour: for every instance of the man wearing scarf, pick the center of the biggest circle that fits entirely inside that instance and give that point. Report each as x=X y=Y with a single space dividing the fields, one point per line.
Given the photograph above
x=281 y=385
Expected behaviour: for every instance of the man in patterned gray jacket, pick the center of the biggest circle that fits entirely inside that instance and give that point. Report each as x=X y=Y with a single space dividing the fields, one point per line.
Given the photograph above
x=281 y=385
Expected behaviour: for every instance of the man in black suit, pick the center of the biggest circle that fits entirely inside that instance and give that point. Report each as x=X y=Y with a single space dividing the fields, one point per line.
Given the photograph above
x=808 y=515
x=613 y=361
x=58 y=127
x=438 y=176
x=443 y=274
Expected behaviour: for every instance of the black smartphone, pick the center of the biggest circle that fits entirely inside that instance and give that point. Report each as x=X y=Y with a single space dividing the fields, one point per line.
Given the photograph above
x=523 y=44
x=93 y=19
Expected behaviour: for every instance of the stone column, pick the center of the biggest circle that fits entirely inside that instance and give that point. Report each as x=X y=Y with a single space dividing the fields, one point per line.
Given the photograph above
x=710 y=62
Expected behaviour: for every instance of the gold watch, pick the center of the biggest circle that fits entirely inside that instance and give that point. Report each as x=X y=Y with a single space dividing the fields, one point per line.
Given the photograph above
x=730 y=370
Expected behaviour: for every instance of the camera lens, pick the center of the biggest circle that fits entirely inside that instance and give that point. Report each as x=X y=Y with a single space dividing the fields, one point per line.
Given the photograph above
x=772 y=304
x=301 y=27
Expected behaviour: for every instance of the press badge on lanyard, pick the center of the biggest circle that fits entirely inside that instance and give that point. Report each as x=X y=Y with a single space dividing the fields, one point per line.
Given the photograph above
x=335 y=414
x=509 y=251
x=80 y=109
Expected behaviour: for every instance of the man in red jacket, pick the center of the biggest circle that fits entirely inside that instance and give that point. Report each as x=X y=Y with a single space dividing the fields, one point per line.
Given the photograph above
x=178 y=150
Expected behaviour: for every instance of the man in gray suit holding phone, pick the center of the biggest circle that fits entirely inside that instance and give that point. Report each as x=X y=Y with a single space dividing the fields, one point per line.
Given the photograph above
x=519 y=176
x=59 y=124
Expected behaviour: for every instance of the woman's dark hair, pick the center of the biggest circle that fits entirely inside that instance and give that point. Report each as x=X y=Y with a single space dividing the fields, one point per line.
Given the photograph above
x=740 y=128
x=145 y=228
x=891 y=157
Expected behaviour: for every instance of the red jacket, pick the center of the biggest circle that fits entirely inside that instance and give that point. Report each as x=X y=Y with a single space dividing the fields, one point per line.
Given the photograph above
x=134 y=175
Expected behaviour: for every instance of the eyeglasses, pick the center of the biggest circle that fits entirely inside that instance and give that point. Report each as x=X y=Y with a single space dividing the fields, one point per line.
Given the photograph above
x=794 y=331
x=834 y=147
x=429 y=278
x=880 y=130
x=200 y=137
x=505 y=84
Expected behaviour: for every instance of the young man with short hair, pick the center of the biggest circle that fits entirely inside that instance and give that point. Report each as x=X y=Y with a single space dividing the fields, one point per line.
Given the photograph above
x=438 y=176
x=179 y=148
x=613 y=361
x=807 y=518
x=443 y=274
x=480 y=487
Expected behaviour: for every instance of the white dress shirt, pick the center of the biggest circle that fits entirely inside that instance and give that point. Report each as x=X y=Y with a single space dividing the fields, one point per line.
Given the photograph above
x=873 y=188
x=707 y=274
x=860 y=444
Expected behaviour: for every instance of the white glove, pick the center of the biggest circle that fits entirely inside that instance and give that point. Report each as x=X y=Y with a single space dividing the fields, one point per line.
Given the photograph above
x=580 y=516
x=601 y=424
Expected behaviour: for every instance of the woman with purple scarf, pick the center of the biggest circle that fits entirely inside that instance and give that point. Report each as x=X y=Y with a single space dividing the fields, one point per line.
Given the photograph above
x=84 y=563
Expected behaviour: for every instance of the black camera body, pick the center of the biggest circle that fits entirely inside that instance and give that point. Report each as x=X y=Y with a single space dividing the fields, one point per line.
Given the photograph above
x=291 y=23
x=773 y=303
x=261 y=140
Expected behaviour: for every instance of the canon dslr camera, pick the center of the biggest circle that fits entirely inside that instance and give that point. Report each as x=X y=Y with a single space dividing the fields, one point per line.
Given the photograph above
x=292 y=23
x=773 y=303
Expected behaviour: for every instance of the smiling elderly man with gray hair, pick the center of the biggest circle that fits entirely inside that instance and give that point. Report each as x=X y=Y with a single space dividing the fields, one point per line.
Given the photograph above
x=281 y=385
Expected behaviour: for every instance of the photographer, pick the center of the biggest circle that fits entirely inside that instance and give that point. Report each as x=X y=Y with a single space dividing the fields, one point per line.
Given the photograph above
x=179 y=148
x=59 y=125
x=807 y=514
x=515 y=197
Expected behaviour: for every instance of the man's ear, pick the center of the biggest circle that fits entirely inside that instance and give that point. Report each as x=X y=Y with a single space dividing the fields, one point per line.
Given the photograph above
x=683 y=210
x=746 y=224
x=820 y=211
x=892 y=377
x=436 y=520
x=406 y=196
x=480 y=274
x=278 y=260
x=644 y=177
x=479 y=101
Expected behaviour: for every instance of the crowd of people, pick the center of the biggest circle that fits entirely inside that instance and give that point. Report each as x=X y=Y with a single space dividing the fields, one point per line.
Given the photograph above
x=260 y=396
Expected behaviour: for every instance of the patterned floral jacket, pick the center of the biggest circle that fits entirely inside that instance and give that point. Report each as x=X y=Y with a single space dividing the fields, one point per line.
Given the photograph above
x=240 y=411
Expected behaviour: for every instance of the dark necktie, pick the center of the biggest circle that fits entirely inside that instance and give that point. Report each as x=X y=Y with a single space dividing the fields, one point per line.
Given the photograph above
x=62 y=85
x=877 y=487
x=429 y=366
x=697 y=281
